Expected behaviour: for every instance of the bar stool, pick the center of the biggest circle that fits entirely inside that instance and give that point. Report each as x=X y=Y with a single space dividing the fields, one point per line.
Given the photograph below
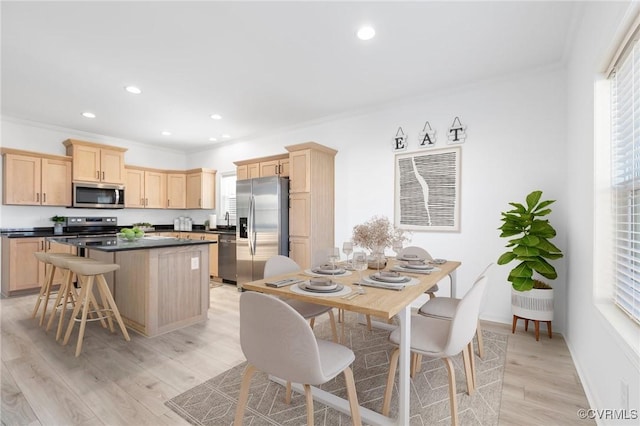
x=93 y=271
x=46 y=289
x=67 y=293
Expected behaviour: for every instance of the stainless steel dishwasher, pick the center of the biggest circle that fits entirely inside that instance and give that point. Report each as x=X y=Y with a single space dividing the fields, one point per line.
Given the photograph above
x=227 y=258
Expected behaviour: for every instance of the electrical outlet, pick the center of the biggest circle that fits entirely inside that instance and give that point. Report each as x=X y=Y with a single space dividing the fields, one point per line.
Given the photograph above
x=624 y=395
x=195 y=263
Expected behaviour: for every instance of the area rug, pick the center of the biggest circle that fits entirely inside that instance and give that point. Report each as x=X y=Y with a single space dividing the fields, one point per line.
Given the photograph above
x=214 y=401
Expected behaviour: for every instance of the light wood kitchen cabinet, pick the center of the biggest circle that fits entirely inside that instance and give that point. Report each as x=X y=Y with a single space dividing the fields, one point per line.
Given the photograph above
x=201 y=189
x=274 y=165
x=248 y=171
x=96 y=163
x=21 y=270
x=176 y=190
x=275 y=168
x=213 y=248
x=36 y=179
x=145 y=188
x=311 y=202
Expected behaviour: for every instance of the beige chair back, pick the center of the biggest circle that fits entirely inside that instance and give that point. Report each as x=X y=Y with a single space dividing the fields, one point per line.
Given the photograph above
x=418 y=251
x=278 y=265
x=465 y=320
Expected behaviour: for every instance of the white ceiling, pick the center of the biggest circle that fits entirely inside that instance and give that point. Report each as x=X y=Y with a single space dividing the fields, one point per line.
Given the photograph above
x=264 y=66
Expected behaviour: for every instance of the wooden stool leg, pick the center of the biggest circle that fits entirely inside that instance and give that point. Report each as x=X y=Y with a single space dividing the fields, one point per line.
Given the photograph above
x=549 y=330
x=515 y=322
x=47 y=295
x=309 y=398
x=244 y=394
x=537 y=326
x=113 y=307
x=467 y=351
x=82 y=302
x=526 y=324
x=56 y=304
x=45 y=291
x=105 y=305
x=69 y=296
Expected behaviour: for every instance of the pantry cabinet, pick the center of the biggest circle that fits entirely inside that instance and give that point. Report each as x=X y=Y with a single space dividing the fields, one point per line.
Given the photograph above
x=21 y=270
x=36 y=179
x=201 y=189
x=145 y=188
x=311 y=202
x=96 y=163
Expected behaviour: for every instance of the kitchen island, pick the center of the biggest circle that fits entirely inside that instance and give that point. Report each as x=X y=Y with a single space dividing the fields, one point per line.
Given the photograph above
x=162 y=284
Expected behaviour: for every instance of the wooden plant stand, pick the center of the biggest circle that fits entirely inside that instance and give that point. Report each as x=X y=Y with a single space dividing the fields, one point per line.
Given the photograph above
x=526 y=326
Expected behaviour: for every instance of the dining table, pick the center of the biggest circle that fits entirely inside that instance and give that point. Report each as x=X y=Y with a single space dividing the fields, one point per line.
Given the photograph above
x=376 y=302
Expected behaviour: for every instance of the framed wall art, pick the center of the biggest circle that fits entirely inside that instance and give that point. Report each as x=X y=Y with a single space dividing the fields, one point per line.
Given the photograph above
x=427 y=190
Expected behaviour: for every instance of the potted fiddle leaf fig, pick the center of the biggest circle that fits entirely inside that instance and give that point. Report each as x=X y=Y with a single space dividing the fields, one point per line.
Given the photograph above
x=530 y=245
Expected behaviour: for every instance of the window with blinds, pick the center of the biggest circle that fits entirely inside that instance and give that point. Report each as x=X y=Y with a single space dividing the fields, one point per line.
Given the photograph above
x=228 y=195
x=625 y=180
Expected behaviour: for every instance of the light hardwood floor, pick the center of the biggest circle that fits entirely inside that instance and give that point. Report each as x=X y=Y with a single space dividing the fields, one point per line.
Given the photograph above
x=114 y=382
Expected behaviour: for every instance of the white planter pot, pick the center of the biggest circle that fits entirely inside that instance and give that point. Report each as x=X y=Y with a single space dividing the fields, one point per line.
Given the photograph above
x=535 y=304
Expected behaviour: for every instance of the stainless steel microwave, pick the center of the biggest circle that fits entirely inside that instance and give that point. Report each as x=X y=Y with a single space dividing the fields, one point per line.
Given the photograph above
x=98 y=195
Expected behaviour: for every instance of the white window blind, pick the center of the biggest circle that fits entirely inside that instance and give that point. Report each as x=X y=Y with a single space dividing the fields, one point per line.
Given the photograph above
x=625 y=179
x=228 y=190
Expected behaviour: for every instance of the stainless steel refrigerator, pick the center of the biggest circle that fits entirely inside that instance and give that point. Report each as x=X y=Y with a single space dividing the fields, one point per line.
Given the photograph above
x=262 y=209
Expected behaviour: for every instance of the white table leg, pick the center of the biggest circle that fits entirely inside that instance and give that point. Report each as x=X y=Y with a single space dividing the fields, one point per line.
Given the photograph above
x=404 y=316
x=453 y=277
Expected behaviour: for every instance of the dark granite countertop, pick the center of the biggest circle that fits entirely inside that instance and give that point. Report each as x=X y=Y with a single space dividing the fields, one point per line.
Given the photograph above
x=48 y=232
x=145 y=243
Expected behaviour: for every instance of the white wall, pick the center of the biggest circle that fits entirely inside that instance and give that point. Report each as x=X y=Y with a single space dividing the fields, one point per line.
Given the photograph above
x=516 y=138
x=603 y=360
x=37 y=137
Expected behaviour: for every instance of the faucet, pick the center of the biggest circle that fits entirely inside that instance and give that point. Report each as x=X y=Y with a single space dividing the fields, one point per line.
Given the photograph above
x=226 y=217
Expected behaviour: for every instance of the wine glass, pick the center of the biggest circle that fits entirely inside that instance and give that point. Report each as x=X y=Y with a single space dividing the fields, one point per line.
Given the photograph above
x=360 y=264
x=378 y=257
x=334 y=256
x=347 y=248
x=397 y=247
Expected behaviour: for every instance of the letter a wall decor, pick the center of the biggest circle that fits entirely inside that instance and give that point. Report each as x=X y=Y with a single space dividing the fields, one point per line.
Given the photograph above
x=427 y=190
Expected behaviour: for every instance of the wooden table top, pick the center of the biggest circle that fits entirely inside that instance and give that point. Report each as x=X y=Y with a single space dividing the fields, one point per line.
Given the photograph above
x=377 y=302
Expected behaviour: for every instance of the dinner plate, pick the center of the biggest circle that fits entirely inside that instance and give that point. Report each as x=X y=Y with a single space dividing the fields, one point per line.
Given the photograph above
x=439 y=261
x=382 y=284
x=320 y=270
x=411 y=257
x=421 y=266
x=386 y=277
x=306 y=287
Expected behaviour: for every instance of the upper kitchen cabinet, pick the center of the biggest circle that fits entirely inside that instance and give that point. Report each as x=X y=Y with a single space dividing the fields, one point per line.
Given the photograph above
x=36 y=179
x=96 y=163
x=176 y=190
x=274 y=165
x=311 y=202
x=201 y=189
x=146 y=188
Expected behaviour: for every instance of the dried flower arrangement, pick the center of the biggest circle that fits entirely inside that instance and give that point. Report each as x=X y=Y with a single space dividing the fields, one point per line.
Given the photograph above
x=377 y=233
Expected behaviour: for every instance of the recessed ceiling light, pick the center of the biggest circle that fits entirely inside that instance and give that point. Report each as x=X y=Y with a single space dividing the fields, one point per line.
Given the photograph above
x=366 y=33
x=88 y=115
x=213 y=139
x=133 y=89
x=165 y=133
x=226 y=136
x=216 y=116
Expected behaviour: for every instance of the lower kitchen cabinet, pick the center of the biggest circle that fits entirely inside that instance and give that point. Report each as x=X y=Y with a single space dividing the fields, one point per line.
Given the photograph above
x=21 y=270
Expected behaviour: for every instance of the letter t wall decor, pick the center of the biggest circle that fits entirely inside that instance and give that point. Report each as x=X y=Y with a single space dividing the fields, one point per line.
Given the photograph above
x=427 y=190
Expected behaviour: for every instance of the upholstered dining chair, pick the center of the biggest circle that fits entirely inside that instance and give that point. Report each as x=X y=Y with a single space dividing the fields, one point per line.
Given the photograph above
x=422 y=253
x=277 y=265
x=284 y=346
x=437 y=338
x=445 y=307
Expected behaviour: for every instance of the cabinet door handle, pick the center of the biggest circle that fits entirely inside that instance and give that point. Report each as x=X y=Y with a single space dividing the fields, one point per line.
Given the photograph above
x=199 y=202
x=44 y=197
x=146 y=201
x=168 y=203
x=41 y=245
x=37 y=197
x=102 y=175
x=48 y=245
x=98 y=174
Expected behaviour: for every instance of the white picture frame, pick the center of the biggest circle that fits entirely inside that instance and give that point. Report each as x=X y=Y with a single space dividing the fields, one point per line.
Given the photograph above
x=427 y=190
